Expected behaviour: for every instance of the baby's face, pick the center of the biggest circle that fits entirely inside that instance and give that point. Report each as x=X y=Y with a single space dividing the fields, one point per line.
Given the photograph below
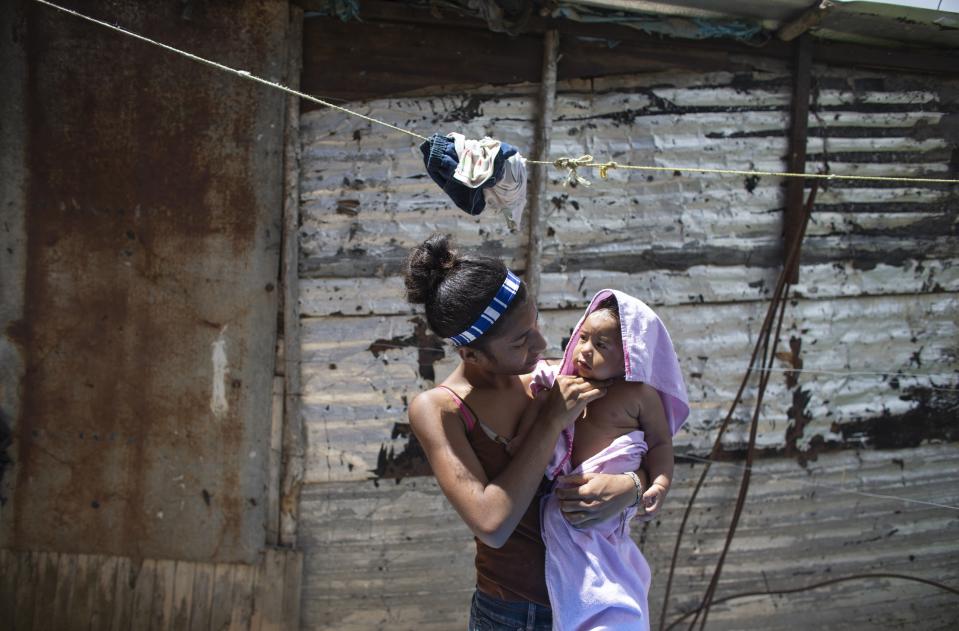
x=598 y=353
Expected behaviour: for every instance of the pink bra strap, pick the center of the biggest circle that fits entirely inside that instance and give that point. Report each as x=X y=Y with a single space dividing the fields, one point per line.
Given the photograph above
x=464 y=411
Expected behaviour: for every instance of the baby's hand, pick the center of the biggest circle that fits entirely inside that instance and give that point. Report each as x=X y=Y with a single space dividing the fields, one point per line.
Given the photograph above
x=654 y=497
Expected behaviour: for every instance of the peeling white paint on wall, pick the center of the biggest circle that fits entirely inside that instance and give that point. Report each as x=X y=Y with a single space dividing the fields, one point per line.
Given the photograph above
x=218 y=403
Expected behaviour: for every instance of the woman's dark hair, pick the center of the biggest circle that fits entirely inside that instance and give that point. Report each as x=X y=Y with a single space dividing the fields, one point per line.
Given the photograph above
x=609 y=305
x=455 y=288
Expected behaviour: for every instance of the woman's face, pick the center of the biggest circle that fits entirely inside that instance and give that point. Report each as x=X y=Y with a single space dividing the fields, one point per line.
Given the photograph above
x=519 y=345
x=598 y=353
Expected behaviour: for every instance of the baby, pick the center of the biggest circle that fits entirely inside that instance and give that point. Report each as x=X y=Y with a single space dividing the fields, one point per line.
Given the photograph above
x=596 y=576
x=628 y=405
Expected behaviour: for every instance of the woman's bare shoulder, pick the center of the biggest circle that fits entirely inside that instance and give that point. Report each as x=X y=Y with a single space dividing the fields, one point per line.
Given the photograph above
x=430 y=405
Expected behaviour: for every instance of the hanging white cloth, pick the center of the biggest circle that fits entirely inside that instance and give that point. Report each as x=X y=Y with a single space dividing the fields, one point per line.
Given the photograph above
x=509 y=194
x=476 y=159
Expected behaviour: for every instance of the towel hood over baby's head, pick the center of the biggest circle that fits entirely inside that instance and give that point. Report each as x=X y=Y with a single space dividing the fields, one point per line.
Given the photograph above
x=647 y=350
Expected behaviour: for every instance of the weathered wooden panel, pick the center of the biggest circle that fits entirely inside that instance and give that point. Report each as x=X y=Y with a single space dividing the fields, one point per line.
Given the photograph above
x=103 y=594
x=161 y=609
x=221 y=606
x=60 y=614
x=45 y=589
x=387 y=556
x=201 y=602
x=292 y=592
x=143 y=582
x=8 y=584
x=121 y=603
x=244 y=579
x=40 y=590
x=182 y=595
x=269 y=592
x=396 y=556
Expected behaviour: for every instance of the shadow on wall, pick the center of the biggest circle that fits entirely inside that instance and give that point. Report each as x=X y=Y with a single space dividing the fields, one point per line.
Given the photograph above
x=410 y=461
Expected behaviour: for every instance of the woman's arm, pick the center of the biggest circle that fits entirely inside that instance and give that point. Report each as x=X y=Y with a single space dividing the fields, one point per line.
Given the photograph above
x=590 y=498
x=538 y=383
x=493 y=508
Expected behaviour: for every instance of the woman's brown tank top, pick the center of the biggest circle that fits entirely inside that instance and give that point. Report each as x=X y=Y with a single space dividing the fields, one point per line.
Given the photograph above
x=516 y=571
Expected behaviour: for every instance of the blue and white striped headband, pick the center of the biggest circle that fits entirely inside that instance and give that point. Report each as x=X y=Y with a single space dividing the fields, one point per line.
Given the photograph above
x=497 y=307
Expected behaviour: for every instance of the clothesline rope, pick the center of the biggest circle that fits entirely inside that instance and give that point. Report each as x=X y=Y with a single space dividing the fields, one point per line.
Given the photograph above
x=817 y=485
x=587 y=161
x=569 y=163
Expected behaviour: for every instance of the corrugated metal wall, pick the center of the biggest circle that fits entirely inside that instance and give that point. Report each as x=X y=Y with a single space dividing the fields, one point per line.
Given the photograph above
x=877 y=297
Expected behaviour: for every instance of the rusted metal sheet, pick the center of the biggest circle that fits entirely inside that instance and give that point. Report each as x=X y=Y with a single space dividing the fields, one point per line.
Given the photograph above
x=396 y=556
x=151 y=214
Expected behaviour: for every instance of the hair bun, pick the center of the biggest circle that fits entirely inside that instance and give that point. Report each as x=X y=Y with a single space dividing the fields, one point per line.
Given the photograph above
x=427 y=266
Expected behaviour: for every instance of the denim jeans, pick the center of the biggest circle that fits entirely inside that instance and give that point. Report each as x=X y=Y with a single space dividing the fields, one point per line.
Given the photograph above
x=491 y=614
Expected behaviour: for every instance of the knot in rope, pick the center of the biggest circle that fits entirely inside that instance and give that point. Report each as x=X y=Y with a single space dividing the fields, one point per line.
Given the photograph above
x=571 y=164
x=604 y=169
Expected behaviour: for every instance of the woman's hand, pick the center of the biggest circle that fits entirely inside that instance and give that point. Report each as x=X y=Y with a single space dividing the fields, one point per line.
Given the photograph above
x=590 y=498
x=570 y=395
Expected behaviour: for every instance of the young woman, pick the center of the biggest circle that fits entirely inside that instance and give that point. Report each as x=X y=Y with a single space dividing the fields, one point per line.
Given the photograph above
x=465 y=425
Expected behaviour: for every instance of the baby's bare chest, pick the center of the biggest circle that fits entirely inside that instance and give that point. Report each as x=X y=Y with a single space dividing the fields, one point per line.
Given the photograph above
x=603 y=422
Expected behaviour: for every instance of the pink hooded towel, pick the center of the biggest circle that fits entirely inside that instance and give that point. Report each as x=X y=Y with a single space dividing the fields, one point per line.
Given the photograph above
x=597 y=578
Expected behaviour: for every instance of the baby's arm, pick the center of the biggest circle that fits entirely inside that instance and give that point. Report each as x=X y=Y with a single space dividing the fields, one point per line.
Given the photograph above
x=659 y=457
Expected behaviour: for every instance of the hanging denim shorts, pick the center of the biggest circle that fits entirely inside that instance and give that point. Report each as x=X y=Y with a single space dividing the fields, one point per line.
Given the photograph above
x=491 y=614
